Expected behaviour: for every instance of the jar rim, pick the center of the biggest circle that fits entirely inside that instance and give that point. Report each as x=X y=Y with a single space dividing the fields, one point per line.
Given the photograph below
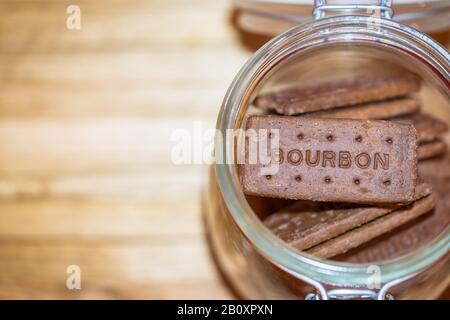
x=270 y=17
x=270 y=246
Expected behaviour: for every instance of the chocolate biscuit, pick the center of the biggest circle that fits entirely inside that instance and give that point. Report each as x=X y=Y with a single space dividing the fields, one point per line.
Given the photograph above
x=431 y=149
x=435 y=169
x=373 y=110
x=359 y=161
x=428 y=127
x=373 y=229
x=409 y=236
x=338 y=93
x=418 y=232
x=306 y=224
x=263 y=207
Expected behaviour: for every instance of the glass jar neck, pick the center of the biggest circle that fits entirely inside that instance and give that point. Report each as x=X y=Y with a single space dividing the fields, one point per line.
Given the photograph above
x=373 y=8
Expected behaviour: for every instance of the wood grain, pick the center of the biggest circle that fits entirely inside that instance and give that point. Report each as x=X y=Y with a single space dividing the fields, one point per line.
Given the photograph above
x=86 y=120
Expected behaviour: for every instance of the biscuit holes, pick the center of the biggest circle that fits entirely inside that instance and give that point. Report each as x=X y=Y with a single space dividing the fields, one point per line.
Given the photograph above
x=327 y=179
x=390 y=140
x=358 y=139
x=268 y=177
x=330 y=137
x=356 y=181
x=298 y=178
x=387 y=182
x=300 y=136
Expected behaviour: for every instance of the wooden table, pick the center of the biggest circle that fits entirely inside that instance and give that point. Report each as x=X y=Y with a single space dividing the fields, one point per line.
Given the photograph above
x=86 y=118
x=85 y=139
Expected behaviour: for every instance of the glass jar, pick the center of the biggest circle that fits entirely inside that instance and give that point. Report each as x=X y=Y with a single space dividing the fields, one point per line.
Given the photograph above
x=256 y=263
x=271 y=17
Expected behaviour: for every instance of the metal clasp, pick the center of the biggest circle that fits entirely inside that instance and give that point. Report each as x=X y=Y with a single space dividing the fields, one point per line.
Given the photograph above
x=354 y=293
x=379 y=8
x=320 y=293
x=350 y=294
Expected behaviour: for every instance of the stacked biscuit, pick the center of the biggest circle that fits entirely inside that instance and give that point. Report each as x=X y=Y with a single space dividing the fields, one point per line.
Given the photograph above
x=347 y=154
x=420 y=231
x=365 y=97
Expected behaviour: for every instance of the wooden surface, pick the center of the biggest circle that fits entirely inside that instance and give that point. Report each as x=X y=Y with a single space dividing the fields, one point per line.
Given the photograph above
x=85 y=123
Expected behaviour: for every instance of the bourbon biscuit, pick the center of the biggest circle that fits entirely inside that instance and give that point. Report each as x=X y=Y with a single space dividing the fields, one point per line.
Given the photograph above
x=435 y=169
x=373 y=229
x=428 y=127
x=372 y=110
x=338 y=93
x=419 y=232
x=431 y=149
x=358 y=161
x=305 y=224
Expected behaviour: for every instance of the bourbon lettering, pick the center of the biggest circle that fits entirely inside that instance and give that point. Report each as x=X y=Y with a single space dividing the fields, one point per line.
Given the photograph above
x=332 y=159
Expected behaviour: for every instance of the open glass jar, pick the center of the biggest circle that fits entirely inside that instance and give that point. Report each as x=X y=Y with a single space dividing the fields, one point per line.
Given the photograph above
x=271 y=17
x=259 y=265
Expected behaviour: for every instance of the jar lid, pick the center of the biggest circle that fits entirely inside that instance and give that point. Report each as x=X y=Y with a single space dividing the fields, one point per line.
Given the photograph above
x=271 y=17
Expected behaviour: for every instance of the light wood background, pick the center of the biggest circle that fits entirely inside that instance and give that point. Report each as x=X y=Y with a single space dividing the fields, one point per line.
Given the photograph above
x=86 y=118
